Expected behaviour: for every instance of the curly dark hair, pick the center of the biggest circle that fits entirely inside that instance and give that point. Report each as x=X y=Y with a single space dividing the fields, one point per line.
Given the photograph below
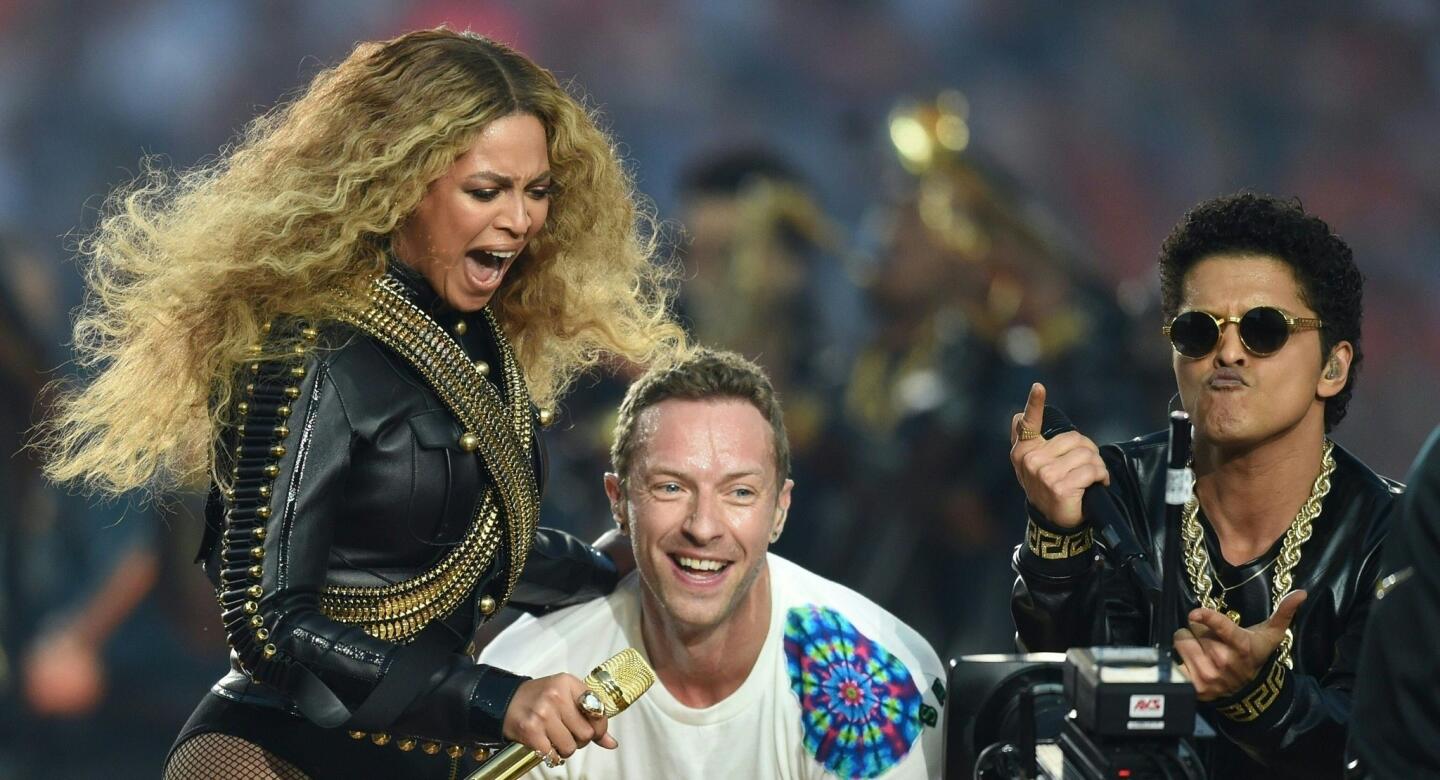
x=1323 y=264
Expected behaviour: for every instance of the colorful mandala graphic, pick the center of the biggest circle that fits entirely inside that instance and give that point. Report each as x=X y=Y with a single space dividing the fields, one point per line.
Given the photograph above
x=859 y=708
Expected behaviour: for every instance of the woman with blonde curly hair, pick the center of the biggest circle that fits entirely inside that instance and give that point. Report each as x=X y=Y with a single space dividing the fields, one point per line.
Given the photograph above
x=350 y=326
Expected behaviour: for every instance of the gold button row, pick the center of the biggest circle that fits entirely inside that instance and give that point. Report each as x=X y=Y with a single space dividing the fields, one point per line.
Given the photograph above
x=407 y=744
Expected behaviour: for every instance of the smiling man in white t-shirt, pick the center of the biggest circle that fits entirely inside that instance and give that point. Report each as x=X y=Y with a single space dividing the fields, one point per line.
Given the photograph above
x=765 y=669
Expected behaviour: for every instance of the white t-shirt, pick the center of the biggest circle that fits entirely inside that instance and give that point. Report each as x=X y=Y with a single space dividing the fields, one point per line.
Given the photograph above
x=841 y=688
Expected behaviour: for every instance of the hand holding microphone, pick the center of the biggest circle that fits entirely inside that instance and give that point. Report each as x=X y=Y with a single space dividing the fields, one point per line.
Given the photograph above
x=549 y=708
x=1053 y=462
x=1063 y=474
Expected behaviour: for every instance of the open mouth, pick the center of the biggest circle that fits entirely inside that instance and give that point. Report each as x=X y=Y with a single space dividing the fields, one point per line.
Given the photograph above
x=485 y=269
x=700 y=570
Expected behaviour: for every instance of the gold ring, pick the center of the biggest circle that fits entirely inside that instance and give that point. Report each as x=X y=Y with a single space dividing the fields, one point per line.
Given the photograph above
x=591 y=705
x=1026 y=433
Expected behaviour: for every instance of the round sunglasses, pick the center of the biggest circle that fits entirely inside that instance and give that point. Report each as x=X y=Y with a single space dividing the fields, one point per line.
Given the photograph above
x=1263 y=330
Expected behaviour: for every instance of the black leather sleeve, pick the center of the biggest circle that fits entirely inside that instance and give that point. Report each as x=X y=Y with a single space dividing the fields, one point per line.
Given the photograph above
x=1396 y=731
x=561 y=571
x=336 y=674
x=1054 y=610
x=1302 y=732
x=1079 y=601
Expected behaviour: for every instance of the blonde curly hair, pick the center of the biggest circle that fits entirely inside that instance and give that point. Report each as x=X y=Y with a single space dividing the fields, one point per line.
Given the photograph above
x=185 y=268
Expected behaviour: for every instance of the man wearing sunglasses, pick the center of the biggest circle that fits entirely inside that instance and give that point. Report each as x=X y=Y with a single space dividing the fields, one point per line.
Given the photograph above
x=1262 y=304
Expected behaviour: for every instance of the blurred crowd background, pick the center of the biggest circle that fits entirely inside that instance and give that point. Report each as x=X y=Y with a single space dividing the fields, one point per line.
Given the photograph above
x=907 y=211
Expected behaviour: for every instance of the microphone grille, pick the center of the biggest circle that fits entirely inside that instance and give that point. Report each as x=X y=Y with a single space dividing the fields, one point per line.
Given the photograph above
x=620 y=680
x=1055 y=422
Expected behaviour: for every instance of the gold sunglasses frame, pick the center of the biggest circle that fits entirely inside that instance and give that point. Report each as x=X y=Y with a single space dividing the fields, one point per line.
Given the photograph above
x=1292 y=324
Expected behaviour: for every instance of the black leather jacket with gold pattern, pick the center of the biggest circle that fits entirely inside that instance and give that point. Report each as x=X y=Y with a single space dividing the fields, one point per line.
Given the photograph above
x=1287 y=722
x=345 y=546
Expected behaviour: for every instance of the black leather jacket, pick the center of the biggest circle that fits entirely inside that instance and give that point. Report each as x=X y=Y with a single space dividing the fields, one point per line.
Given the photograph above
x=1397 y=700
x=1300 y=731
x=370 y=487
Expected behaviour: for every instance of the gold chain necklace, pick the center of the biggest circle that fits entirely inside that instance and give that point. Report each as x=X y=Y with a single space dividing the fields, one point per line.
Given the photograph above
x=1227 y=588
x=1197 y=559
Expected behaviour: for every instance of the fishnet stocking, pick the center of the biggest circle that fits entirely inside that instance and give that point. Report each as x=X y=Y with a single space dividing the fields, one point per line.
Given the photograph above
x=209 y=756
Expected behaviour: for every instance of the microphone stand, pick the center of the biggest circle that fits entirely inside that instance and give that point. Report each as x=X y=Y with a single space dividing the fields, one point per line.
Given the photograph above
x=1179 y=481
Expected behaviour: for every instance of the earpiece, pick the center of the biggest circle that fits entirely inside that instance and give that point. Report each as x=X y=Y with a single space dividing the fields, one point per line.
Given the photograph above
x=775 y=535
x=1332 y=371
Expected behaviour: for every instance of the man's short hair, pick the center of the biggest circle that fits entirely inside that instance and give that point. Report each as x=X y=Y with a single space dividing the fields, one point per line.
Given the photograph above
x=706 y=374
x=1249 y=223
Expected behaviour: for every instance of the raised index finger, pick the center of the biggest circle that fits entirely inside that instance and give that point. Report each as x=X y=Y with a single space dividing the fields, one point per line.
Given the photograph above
x=1034 y=415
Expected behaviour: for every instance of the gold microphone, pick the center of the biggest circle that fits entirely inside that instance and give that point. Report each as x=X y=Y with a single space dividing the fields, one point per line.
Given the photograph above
x=618 y=682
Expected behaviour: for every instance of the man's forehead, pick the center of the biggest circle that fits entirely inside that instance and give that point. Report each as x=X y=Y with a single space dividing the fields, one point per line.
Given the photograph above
x=1216 y=281
x=681 y=427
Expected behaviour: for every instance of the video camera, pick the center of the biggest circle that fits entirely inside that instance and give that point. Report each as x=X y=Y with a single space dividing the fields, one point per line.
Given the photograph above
x=1092 y=713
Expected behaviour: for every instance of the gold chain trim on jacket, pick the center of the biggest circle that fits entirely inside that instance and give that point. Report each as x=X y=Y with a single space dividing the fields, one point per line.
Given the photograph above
x=454 y=752
x=1260 y=699
x=1197 y=559
x=498 y=431
x=264 y=406
x=1054 y=547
